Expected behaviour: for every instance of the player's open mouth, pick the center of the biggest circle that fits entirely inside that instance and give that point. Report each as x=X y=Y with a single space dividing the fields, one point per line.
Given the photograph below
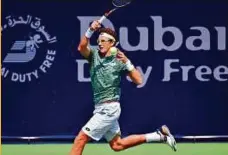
x=101 y=47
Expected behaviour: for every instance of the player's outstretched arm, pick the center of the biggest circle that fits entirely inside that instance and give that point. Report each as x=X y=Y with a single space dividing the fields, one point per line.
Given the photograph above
x=135 y=76
x=83 y=46
x=133 y=73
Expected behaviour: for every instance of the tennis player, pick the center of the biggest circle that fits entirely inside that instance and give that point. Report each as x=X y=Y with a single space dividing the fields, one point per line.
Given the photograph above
x=105 y=72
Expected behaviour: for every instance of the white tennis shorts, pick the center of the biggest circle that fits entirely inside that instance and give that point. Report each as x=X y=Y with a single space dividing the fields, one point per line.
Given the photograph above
x=104 y=122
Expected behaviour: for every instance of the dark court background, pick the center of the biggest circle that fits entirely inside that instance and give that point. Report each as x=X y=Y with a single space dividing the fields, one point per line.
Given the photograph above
x=180 y=47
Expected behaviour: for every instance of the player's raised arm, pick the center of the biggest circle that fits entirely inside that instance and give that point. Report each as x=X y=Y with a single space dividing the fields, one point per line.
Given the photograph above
x=83 y=46
x=133 y=73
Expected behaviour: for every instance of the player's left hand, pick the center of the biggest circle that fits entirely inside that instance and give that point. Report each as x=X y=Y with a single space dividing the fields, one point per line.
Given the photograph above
x=121 y=56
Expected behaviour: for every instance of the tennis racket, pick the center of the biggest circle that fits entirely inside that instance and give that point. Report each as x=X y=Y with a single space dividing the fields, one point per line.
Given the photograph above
x=117 y=4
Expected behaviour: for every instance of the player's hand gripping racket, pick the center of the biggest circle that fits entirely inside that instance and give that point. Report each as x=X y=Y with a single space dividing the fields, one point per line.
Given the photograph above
x=117 y=4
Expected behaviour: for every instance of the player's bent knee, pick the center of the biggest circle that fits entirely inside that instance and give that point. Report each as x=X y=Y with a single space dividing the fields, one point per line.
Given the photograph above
x=117 y=148
x=117 y=144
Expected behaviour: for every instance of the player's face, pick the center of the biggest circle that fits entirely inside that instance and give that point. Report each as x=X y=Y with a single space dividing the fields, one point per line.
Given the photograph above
x=104 y=44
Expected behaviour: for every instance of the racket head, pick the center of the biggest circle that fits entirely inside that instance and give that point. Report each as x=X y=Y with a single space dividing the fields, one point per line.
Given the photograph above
x=121 y=3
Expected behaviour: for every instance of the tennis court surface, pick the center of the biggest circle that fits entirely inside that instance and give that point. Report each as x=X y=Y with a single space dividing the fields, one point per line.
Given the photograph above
x=104 y=149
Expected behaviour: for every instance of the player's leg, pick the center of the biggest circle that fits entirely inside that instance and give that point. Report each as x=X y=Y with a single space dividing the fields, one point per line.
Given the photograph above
x=79 y=143
x=95 y=128
x=119 y=144
x=162 y=135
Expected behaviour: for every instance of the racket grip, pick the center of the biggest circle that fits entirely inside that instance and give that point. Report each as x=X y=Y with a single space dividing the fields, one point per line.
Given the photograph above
x=102 y=19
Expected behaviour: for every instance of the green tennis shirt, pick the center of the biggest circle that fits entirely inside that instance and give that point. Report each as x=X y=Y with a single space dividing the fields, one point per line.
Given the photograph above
x=105 y=73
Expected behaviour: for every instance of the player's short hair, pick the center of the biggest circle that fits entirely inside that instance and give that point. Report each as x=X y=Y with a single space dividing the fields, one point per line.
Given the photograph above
x=109 y=31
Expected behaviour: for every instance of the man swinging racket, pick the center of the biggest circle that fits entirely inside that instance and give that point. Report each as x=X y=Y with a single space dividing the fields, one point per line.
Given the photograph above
x=106 y=67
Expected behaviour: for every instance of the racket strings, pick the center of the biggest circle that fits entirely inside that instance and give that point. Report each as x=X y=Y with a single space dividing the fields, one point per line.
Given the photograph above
x=120 y=3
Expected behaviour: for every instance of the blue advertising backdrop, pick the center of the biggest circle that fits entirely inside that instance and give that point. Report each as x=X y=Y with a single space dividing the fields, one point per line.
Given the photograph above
x=180 y=48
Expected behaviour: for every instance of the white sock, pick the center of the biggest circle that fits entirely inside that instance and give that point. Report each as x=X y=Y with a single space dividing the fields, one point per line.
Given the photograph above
x=153 y=137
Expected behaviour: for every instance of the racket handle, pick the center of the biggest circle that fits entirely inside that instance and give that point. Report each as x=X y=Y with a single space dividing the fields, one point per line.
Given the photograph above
x=102 y=19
